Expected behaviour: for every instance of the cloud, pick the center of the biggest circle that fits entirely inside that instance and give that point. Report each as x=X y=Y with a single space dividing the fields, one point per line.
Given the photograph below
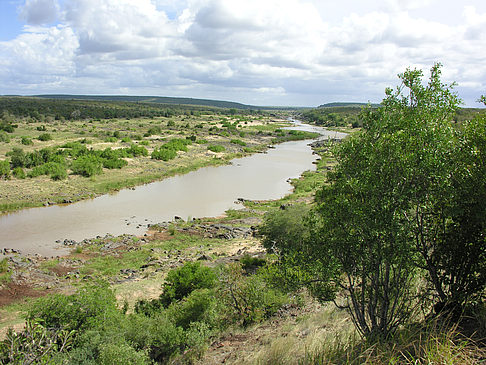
x=294 y=51
x=38 y=12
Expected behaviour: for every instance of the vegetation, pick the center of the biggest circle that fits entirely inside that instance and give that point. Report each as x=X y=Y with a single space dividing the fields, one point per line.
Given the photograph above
x=390 y=227
x=92 y=147
x=394 y=214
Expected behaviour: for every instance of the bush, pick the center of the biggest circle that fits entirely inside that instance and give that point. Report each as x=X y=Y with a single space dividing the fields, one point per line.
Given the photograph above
x=182 y=281
x=114 y=354
x=17 y=157
x=164 y=154
x=238 y=142
x=4 y=169
x=18 y=172
x=44 y=137
x=4 y=137
x=114 y=163
x=86 y=309
x=216 y=148
x=199 y=306
x=87 y=165
x=247 y=299
x=26 y=141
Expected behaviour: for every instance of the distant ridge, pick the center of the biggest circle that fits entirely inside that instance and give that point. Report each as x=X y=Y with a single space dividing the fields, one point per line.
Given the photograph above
x=155 y=100
x=346 y=104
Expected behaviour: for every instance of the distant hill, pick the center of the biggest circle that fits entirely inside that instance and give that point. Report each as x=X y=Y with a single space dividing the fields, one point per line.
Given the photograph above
x=156 y=100
x=346 y=104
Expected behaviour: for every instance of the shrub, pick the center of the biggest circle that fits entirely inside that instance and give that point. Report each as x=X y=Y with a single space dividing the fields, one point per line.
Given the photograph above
x=199 y=306
x=26 y=141
x=44 y=137
x=87 y=165
x=4 y=169
x=18 y=172
x=4 y=137
x=114 y=354
x=164 y=154
x=86 y=309
x=182 y=281
x=114 y=163
x=238 y=142
x=247 y=299
x=17 y=157
x=136 y=151
x=216 y=148
x=111 y=139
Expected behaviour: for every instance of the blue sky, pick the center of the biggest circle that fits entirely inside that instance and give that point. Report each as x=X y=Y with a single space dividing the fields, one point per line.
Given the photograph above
x=262 y=52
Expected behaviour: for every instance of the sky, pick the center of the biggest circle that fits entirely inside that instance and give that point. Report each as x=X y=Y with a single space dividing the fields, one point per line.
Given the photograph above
x=259 y=52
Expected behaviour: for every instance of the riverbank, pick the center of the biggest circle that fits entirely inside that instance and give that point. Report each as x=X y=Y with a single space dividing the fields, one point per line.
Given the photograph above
x=212 y=140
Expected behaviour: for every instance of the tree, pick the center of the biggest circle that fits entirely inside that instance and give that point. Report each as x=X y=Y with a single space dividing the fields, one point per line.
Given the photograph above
x=406 y=197
x=407 y=194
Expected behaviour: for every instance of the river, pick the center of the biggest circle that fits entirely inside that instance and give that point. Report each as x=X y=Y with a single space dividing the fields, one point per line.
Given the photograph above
x=207 y=192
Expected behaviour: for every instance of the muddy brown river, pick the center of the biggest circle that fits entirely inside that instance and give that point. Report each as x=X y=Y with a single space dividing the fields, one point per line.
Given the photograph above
x=207 y=192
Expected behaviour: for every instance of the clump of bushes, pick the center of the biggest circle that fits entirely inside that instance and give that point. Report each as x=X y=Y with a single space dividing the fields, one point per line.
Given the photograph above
x=168 y=151
x=89 y=327
x=216 y=148
x=44 y=137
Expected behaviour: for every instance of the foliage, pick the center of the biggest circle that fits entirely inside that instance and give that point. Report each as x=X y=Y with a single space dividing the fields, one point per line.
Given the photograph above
x=247 y=299
x=4 y=137
x=44 y=137
x=26 y=141
x=88 y=308
x=36 y=344
x=182 y=281
x=164 y=154
x=216 y=148
x=18 y=172
x=4 y=169
x=238 y=142
x=87 y=165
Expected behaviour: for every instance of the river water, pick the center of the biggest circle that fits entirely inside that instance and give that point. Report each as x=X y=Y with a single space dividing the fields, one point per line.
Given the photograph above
x=207 y=192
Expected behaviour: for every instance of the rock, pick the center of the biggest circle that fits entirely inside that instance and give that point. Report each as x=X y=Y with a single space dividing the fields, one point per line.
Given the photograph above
x=204 y=258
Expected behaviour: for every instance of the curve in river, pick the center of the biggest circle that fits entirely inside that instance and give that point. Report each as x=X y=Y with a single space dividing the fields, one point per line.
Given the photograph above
x=209 y=191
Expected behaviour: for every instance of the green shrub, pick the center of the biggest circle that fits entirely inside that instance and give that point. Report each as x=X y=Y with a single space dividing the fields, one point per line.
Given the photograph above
x=115 y=354
x=87 y=309
x=216 y=148
x=44 y=137
x=247 y=299
x=17 y=157
x=164 y=154
x=117 y=163
x=182 y=281
x=111 y=139
x=18 y=172
x=87 y=165
x=4 y=169
x=4 y=137
x=201 y=141
x=7 y=126
x=126 y=139
x=238 y=142
x=26 y=141
x=199 y=306
x=135 y=151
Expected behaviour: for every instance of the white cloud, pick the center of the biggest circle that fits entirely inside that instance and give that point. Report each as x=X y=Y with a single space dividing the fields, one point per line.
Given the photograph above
x=297 y=51
x=38 y=12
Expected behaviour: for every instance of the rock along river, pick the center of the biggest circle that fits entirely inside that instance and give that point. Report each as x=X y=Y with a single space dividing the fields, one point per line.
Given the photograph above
x=207 y=192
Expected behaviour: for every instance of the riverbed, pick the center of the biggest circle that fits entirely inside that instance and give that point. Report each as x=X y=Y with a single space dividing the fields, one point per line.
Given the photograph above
x=207 y=192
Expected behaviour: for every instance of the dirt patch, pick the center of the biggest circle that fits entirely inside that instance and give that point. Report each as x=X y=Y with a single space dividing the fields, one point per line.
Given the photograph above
x=12 y=292
x=61 y=270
